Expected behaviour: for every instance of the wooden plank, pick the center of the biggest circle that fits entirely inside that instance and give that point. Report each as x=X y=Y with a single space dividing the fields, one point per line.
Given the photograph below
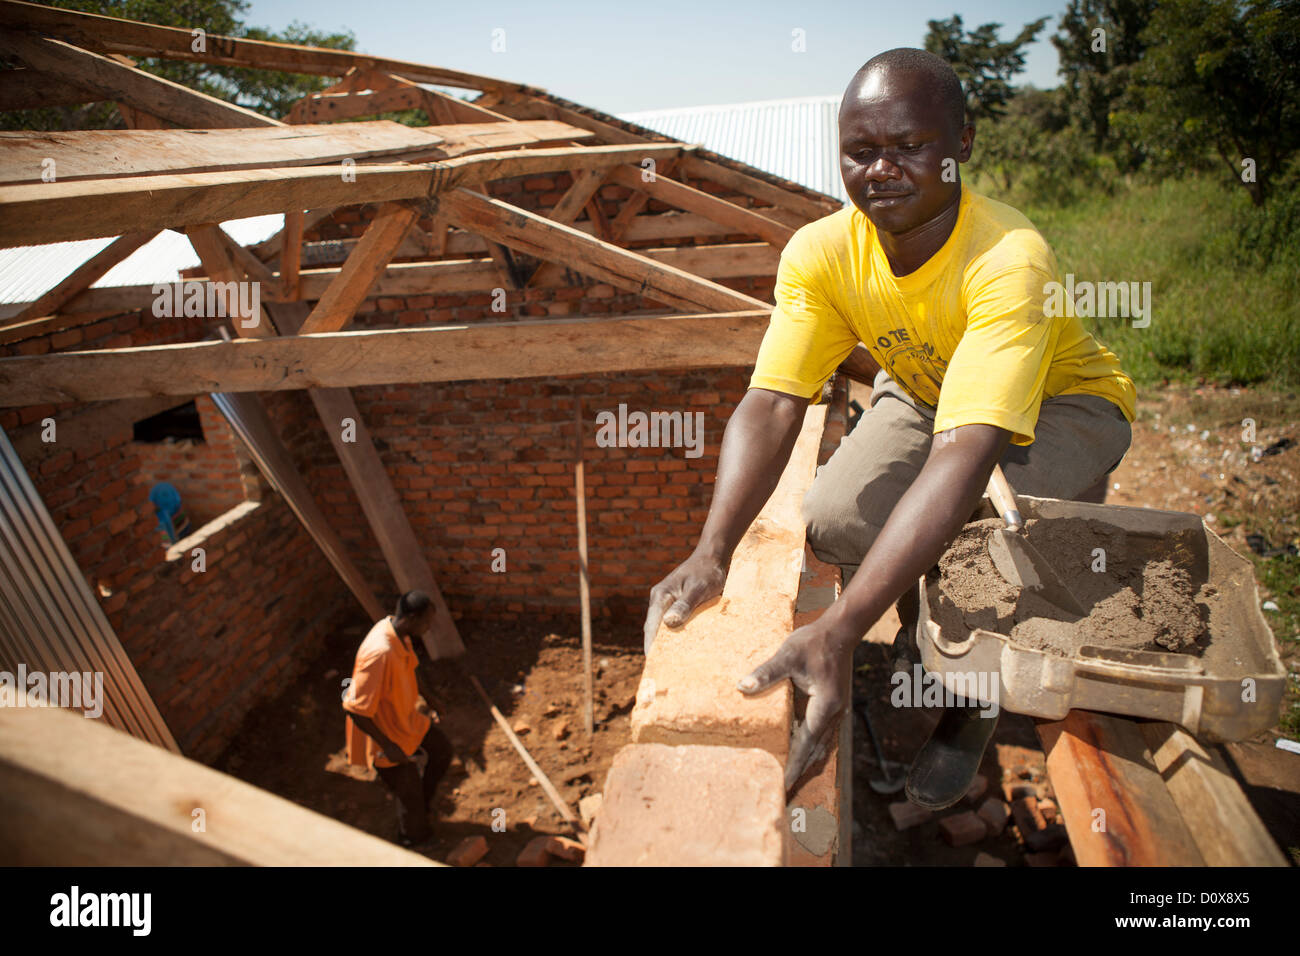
x=268 y=248
x=688 y=198
x=575 y=198
x=349 y=289
x=114 y=35
x=79 y=793
x=332 y=107
x=806 y=207
x=81 y=278
x=102 y=154
x=383 y=509
x=1116 y=807
x=28 y=89
x=537 y=236
x=211 y=246
x=1225 y=826
x=124 y=84
x=497 y=350
x=57 y=212
x=291 y=253
x=463 y=111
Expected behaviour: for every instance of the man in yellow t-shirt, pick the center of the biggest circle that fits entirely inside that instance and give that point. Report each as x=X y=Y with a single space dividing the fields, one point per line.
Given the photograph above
x=937 y=297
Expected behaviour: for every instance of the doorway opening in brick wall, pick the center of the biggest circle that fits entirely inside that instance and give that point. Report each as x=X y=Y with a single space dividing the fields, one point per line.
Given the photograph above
x=190 y=448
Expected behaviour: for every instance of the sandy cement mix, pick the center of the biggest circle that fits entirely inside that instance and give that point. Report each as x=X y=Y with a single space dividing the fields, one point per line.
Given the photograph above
x=1153 y=594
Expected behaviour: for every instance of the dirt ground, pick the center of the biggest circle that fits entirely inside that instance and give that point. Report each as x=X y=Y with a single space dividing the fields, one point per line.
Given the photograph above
x=534 y=676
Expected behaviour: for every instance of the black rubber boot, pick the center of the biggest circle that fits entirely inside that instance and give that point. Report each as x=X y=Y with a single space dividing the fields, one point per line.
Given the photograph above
x=942 y=772
x=905 y=652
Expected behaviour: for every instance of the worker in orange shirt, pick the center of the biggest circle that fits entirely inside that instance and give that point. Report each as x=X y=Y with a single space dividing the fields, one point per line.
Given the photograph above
x=390 y=726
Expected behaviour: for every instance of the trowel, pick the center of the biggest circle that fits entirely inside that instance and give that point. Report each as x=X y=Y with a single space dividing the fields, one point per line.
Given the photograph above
x=1018 y=561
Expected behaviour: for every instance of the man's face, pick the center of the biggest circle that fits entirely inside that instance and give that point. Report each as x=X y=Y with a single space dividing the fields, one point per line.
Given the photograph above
x=894 y=138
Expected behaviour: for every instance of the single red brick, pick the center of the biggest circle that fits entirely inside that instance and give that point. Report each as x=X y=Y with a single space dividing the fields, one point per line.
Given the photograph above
x=906 y=814
x=963 y=828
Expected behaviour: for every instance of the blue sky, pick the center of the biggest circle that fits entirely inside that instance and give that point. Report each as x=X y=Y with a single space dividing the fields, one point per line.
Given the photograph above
x=621 y=56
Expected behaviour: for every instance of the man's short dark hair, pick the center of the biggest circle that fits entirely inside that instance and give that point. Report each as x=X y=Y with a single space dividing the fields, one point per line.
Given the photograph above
x=938 y=74
x=412 y=604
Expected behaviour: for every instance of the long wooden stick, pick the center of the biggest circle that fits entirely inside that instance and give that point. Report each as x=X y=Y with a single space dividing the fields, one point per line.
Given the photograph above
x=584 y=581
x=545 y=781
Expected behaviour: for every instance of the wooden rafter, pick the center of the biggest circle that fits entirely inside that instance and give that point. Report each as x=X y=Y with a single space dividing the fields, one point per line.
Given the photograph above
x=371 y=256
x=690 y=199
x=540 y=237
x=85 y=275
x=528 y=349
x=114 y=35
x=116 y=81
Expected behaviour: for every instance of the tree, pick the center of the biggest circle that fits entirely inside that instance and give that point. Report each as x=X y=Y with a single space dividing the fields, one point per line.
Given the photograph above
x=265 y=91
x=1098 y=43
x=1222 y=78
x=984 y=64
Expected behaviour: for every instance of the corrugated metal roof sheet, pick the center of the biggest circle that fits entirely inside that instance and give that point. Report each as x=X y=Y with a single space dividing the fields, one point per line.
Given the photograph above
x=794 y=138
x=28 y=272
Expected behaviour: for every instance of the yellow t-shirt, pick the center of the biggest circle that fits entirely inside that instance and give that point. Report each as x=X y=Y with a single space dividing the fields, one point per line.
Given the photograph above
x=966 y=333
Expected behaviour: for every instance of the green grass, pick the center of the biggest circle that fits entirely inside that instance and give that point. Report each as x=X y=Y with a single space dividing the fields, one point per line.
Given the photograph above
x=1225 y=277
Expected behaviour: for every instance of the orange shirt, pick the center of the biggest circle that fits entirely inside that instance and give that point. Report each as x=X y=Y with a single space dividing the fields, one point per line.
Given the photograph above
x=384 y=689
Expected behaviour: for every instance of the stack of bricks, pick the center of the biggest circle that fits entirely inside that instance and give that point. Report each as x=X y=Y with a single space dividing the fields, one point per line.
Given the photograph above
x=703 y=781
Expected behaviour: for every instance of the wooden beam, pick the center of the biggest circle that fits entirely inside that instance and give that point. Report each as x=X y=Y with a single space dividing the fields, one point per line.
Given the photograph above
x=368 y=260
x=114 y=35
x=1224 y=825
x=211 y=246
x=498 y=350
x=57 y=212
x=28 y=89
x=539 y=237
x=1101 y=763
x=136 y=88
x=384 y=512
x=690 y=199
x=79 y=793
x=107 y=154
x=291 y=253
x=331 y=107
x=267 y=249
x=85 y=275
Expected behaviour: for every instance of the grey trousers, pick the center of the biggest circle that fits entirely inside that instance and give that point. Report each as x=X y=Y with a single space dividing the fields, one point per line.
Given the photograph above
x=1078 y=440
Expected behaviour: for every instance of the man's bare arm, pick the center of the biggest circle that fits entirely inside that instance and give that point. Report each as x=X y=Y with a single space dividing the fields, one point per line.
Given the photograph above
x=371 y=729
x=755 y=449
x=818 y=657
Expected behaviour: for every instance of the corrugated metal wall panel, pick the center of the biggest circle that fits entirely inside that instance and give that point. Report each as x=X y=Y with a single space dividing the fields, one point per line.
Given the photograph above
x=49 y=620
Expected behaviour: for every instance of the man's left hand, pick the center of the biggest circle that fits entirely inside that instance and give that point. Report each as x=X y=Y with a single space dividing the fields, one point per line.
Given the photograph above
x=819 y=666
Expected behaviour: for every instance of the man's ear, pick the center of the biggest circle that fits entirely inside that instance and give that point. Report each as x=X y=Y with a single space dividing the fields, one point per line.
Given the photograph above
x=967 y=143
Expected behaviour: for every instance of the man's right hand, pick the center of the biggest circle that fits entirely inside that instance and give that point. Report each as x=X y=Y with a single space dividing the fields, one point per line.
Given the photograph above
x=396 y=755
x=697 y=579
